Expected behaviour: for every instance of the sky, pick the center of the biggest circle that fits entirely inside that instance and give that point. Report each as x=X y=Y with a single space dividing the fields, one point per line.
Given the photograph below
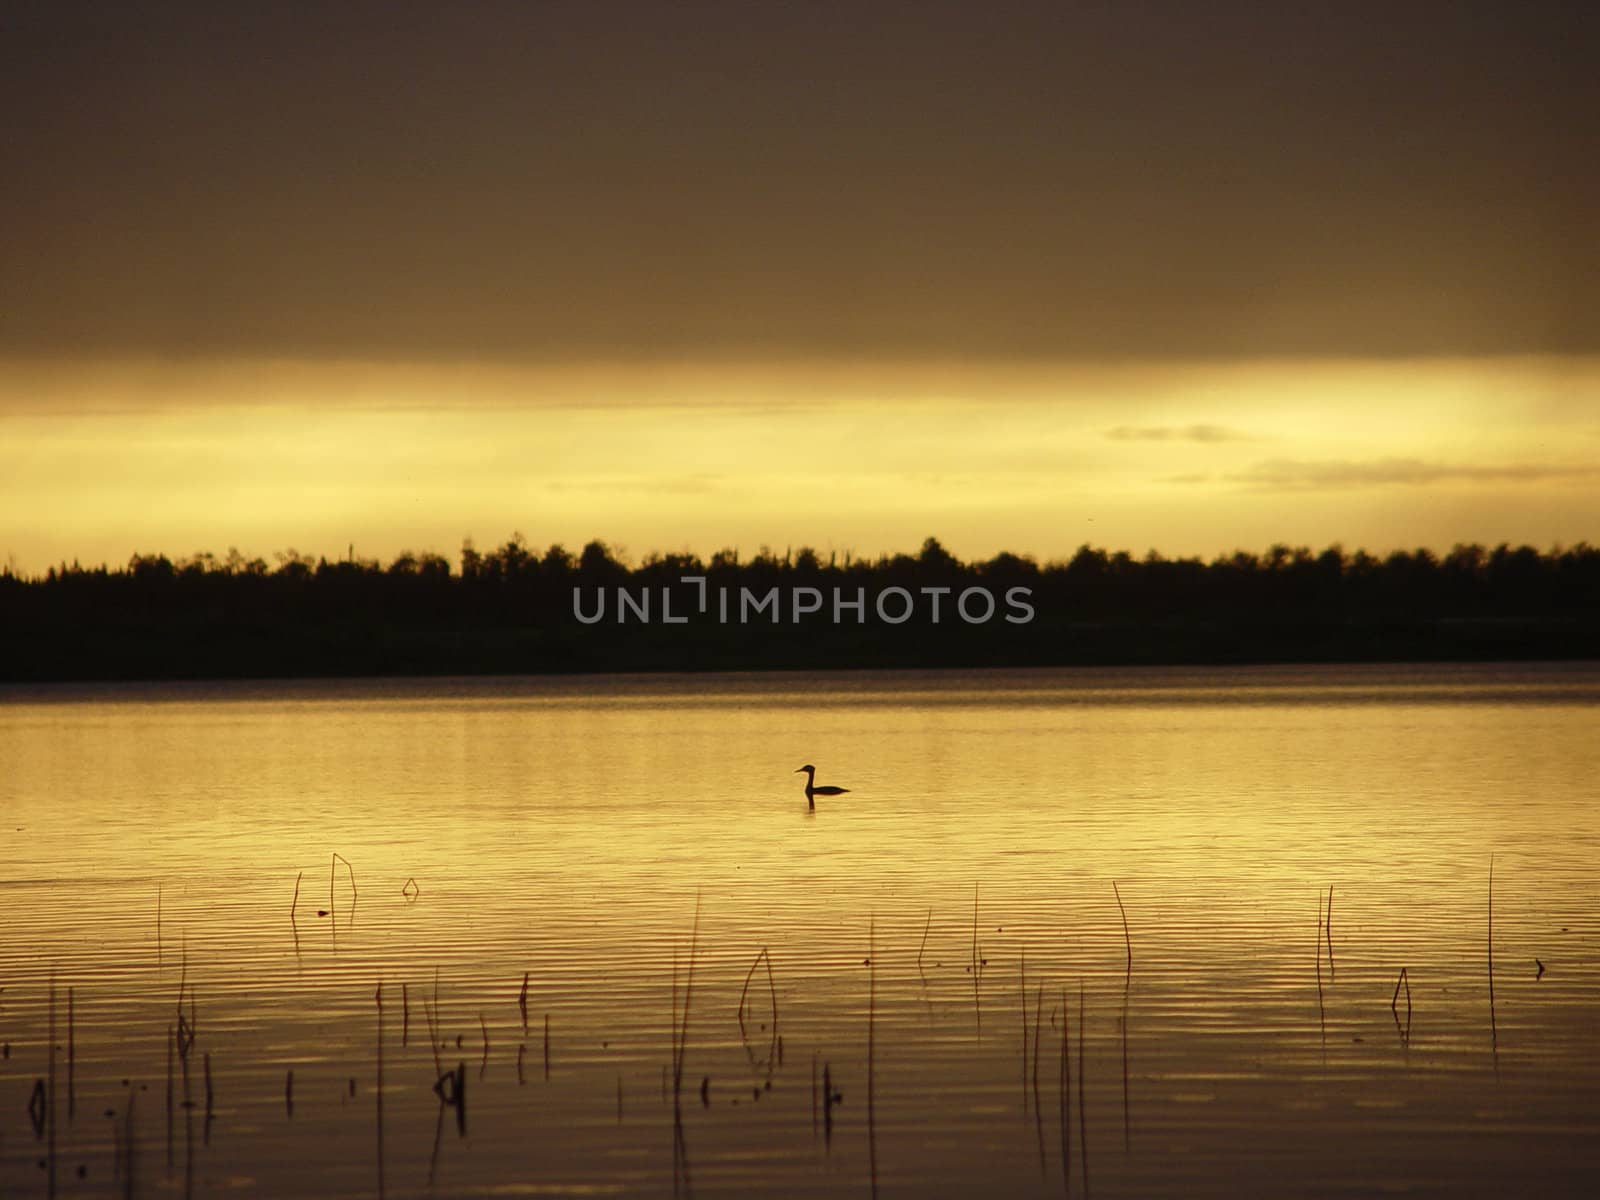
x=1019 y=276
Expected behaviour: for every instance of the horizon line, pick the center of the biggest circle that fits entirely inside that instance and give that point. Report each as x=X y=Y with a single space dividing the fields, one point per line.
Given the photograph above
x=236 y=562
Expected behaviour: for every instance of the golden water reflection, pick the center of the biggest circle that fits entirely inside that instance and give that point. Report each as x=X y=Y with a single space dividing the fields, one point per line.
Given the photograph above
x=563 y=831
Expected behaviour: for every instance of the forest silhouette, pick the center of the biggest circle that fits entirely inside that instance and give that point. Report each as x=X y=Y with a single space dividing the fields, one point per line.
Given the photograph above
x=510 y=610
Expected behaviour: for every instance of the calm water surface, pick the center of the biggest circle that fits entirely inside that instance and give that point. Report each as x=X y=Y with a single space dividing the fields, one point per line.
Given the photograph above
x=945 y=941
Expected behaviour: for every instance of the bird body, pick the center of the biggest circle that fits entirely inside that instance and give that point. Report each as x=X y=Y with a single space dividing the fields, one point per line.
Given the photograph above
x=813 y=791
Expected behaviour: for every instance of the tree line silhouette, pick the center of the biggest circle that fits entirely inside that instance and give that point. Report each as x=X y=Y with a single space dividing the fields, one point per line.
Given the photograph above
x=510 y=610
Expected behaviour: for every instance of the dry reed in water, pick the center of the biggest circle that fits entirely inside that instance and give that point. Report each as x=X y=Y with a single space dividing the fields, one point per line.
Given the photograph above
x=1395 y=999
x=872 y=998
x=433 y=1033
x=1022 y=997
x=977 y=963
x=1038 y=1034
x=333 y=869
x=1333 y=972
x=1494 y=1034
x=50 y=1117
x=171 y=1041
x=130 y=1144
x=1126 y=937
x=813 y=1093
x=1064 y=1095
x=1083 y=1111
x=1322 y=1022
x=1038 y=1104
x=680 y=1038
x=1127 y=1112
x=974 y=930
x=378 y=1000
x=773 y=1041
x=72 y=1057
x=829 y=1099
x=205 y=1131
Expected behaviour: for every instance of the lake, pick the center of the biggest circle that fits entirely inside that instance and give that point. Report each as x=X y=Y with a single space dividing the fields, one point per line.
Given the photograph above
x=1116 y=933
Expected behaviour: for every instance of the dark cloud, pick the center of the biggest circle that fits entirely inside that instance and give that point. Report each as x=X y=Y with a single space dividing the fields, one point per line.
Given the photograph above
x=567 y=180
x=1176 y=433
x=1300 y=475
x=689 y=485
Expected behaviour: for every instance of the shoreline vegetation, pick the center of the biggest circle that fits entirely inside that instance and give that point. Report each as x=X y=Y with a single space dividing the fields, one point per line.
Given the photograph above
x=512 y=611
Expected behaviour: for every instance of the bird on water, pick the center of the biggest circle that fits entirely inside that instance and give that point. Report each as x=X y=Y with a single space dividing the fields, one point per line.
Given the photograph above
x=813 y=791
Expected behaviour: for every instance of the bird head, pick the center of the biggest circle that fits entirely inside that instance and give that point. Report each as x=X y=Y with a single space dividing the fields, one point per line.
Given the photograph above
x=808 y=768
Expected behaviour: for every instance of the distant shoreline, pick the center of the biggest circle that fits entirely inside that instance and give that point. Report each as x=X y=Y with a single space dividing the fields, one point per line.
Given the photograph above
x=516 y=612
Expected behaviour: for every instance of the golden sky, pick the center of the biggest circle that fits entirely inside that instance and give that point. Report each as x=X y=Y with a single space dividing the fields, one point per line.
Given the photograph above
x=1186 y=458
x=1019 y=276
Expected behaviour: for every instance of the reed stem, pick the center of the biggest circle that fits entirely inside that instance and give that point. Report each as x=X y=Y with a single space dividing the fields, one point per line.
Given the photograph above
x=1083 y=1111
x=1126 y=937
x=72 y=1057
x=1494 y=1035
x=872 y=994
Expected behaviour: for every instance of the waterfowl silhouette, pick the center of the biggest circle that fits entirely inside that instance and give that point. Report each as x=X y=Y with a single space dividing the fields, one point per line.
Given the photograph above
x=813 y=791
